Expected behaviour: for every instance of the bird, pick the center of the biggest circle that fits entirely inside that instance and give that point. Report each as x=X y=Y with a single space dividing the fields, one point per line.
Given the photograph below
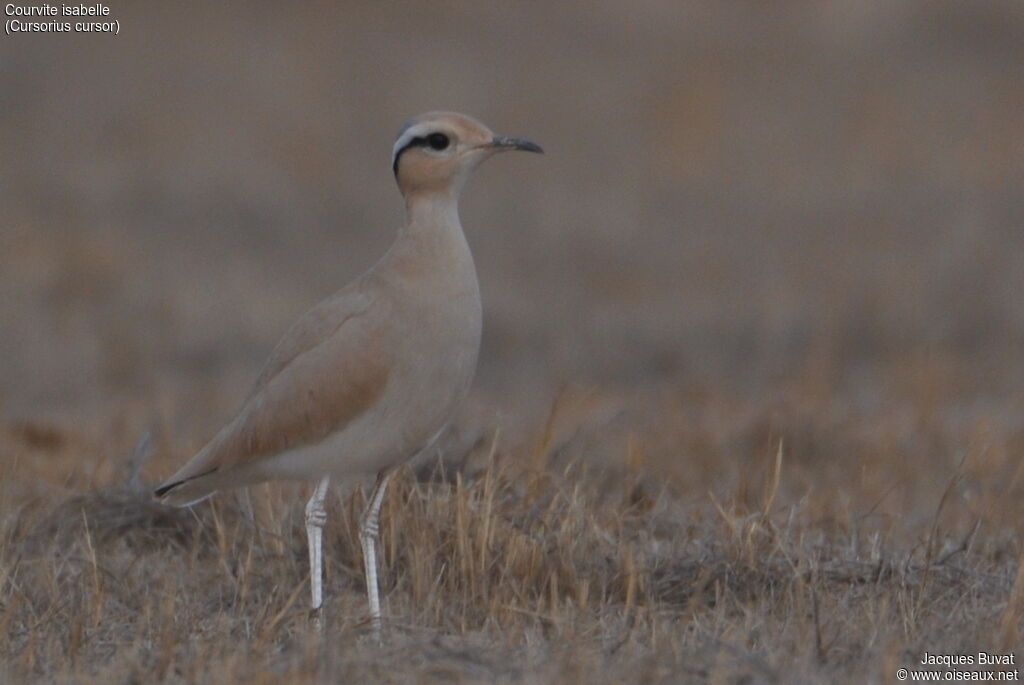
x=369 y=377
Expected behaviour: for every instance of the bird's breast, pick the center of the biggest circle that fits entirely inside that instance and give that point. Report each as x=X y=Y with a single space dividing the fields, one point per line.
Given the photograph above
x=436 y=297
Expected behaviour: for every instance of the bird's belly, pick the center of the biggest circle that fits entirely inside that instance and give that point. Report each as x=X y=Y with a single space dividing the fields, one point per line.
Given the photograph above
x=437 y=377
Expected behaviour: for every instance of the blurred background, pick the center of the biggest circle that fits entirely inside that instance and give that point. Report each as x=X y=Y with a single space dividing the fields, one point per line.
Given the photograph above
x=737 y=199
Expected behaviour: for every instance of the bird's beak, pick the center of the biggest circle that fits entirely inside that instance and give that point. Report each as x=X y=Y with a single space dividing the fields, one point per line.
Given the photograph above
x=513 y=143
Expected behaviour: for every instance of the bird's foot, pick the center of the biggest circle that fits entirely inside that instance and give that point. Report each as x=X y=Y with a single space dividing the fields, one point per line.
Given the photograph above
x=316 y=619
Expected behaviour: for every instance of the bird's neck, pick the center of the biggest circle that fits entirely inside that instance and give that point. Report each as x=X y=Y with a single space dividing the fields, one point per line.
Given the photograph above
x=431 y=212
x=431 y=243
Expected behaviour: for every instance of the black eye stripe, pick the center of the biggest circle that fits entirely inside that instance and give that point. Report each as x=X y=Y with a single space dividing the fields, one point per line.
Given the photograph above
x=415 y=142
x=435 y=141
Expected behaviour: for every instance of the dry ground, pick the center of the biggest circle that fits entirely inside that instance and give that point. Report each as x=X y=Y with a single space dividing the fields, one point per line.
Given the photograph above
x=741 y=560
x=750 y=406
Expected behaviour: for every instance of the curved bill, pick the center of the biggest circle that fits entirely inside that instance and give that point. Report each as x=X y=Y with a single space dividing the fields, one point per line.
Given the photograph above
x=513 y=143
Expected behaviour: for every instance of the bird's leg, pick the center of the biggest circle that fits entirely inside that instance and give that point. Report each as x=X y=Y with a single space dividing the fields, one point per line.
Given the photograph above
x=369 y=534
x=316 y=517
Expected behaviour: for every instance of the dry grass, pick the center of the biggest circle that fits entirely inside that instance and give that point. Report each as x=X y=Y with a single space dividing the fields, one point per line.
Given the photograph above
x=530 y=564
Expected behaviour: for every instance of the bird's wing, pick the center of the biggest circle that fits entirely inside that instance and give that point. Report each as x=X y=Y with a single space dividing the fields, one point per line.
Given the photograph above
x=329 y=368
x=311 y=329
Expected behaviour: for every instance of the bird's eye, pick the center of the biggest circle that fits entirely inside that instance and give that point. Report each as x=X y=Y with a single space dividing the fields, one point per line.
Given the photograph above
x=437 y=141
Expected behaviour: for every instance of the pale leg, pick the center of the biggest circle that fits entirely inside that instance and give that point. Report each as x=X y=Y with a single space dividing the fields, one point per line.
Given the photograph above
x=316 y=517
x=369 y=534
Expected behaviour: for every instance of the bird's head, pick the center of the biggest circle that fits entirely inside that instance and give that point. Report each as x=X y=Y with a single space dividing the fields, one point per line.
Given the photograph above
x=436 y=151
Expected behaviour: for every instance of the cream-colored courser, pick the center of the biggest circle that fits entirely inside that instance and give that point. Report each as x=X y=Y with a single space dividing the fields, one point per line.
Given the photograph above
x=369 y=377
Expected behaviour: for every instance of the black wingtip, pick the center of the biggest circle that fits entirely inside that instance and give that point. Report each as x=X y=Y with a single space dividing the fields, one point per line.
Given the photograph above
x=164 y=489
x=161 y=491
